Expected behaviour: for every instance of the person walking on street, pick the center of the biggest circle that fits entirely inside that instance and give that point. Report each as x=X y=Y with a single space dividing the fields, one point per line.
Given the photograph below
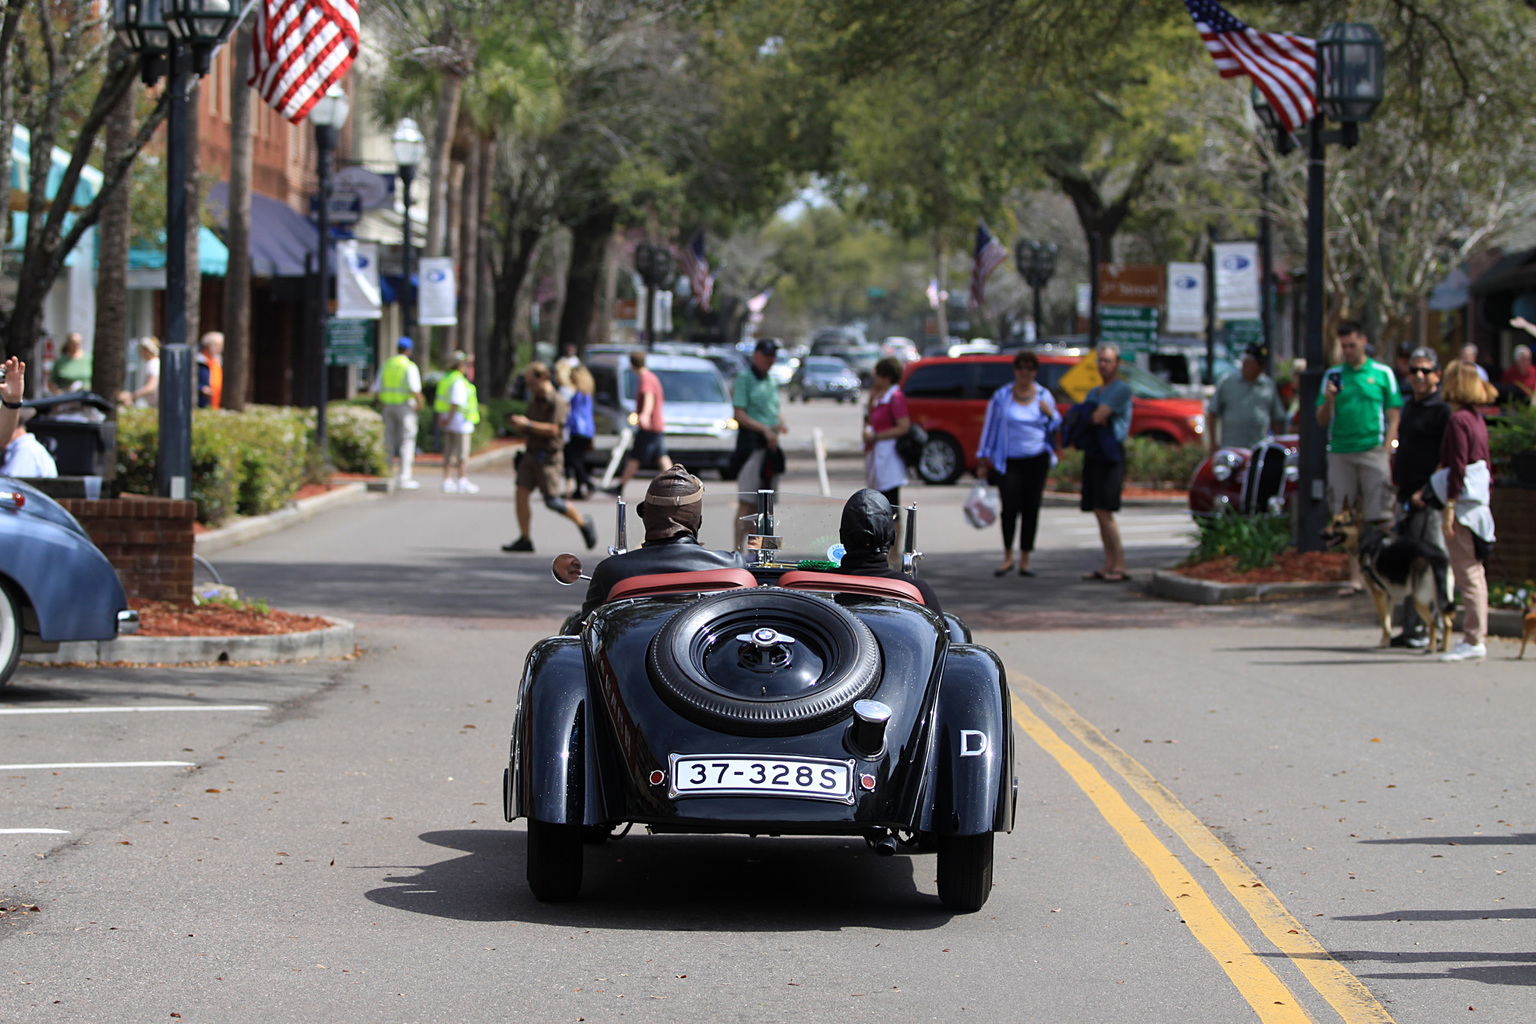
x=1359 y=405
x=885 y=419
x=147 y=394
x=72 y=372
x=458 y=410
x=1109 y=407
x=1460 y=486
x=399 y=391
x=650 y=446
x=1421 y=431
x=580 y=427
x=1246 y=405
x=540 y=467
x=1015 y=455
x=756 y=400
x=210 y=371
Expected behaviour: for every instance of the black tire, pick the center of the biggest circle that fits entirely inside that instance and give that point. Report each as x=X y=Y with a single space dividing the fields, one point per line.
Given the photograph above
x=941 y=461
x=554 y=861
x=10 y=633
x=850 y=657
x=965 y=872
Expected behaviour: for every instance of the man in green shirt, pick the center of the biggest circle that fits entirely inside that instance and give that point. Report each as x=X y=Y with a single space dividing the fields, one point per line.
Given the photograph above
x=1359 y=404
x=756 y=401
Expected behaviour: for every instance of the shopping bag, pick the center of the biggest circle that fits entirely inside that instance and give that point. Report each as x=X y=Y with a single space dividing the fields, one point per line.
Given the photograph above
x=981 y=506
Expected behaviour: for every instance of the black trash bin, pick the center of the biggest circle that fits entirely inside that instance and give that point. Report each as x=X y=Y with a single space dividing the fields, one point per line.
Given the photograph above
x=79 y=448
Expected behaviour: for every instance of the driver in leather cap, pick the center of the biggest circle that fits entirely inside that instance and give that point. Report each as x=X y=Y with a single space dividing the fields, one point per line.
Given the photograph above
x=672 y=511
x=868 y=530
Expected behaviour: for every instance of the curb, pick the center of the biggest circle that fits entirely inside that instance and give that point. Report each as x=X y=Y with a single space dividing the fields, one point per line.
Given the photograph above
x=259 y=526
x=336 y=641
x=1178 y=587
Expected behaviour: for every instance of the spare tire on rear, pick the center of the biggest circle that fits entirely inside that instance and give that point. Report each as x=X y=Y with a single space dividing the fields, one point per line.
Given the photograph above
x=819 y=660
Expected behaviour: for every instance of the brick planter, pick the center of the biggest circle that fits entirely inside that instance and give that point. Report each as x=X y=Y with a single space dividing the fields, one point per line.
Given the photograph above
x=147 y=540
x=1514 y=523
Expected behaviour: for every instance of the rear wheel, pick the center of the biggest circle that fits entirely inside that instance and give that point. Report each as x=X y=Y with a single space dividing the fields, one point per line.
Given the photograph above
x=941 y=461
x=554 y=861
x=10 y=633
x=965 y=872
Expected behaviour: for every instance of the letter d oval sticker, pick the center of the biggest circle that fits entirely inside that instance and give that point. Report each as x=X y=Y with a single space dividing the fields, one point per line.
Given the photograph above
x=973 y=743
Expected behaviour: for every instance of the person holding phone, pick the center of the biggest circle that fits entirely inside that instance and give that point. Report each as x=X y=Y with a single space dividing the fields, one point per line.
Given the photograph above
x=1359 y=405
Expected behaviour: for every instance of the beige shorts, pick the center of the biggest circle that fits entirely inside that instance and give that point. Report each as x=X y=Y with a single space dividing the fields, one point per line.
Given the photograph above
x=456 y=448
x=750 y=480
x=1366 y=476
x=543 y=472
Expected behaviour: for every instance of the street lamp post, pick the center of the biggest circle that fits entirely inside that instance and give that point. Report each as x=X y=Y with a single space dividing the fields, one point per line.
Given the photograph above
x=177 y=38
x=410 y=149
x=328 y=114
x=654 y=265
x=1350 y=62
x=1036 y=262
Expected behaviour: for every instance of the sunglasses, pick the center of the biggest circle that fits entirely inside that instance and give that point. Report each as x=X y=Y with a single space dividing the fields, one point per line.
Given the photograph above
x=1420 y=371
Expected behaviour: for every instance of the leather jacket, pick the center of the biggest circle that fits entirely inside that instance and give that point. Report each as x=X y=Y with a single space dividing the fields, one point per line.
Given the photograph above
x=682 y=553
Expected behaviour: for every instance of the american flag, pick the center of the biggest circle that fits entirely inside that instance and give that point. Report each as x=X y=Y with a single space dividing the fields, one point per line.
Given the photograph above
x=300 y=48
x=1283 y=66
x=989 y=253
x=696 y=266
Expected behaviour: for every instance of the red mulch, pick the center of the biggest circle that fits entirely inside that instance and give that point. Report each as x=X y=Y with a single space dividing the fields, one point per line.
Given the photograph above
x=1290 y=567
x=161 y=618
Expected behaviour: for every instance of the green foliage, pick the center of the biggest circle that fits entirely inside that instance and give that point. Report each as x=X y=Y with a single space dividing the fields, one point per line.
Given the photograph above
x=273 y=446
x=1068 y=474
x=1148 y=464
x=1512 y=595
x=1514 y=433
x=1256 y=540
x=355 y=437
x=138 y=436
x=218 y=469
x=254 y=605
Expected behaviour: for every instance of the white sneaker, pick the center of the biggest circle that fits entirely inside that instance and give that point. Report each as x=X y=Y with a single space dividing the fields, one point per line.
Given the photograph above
x=1465 y=652
x=450 y=486
x=468 y=487
x=409 y=485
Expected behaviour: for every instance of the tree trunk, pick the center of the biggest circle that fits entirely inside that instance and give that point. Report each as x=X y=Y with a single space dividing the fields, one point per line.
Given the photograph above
x=449 y=92
x=112 y=239
x=469 y=246
x=584 y=276
x=517 y=252
x=237 y=279
x=483 y=278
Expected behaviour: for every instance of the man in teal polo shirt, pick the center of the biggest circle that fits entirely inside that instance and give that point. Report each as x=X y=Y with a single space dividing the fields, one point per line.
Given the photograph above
x=1359 y=404
x=756 y=401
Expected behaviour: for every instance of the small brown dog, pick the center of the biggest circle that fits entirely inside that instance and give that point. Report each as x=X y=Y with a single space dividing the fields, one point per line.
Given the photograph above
x=1529 y=633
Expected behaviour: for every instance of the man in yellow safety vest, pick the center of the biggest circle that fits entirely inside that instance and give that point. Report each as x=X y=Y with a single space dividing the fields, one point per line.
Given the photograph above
x=399 y=390
x=458 y=410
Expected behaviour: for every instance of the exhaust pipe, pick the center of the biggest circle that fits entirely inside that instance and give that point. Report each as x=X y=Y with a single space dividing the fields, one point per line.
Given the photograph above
x=884 y=846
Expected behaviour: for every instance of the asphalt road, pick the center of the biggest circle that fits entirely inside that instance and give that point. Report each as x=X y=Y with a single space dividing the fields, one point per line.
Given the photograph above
x=1223 y=816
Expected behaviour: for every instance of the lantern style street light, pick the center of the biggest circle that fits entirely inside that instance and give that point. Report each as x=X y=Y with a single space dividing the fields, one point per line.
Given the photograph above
x=654 y=265
x=1036 y=262
x=1350 y=73
x=410 y=150
x=328 y=115
x=175 y=38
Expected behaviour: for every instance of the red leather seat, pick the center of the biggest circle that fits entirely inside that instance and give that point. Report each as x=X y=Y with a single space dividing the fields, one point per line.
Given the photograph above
x=842 y=583
x=695 y=582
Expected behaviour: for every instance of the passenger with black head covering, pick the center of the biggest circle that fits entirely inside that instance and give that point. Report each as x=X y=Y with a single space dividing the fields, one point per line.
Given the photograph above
x=868 y=530
x=672 y=512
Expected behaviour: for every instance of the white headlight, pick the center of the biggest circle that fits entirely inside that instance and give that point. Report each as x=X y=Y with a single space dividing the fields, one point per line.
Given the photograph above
x=1197 y=423
x=1224 y=463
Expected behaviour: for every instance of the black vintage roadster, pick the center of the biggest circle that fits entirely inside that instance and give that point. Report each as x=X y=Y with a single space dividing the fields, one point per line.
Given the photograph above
x=776 y=700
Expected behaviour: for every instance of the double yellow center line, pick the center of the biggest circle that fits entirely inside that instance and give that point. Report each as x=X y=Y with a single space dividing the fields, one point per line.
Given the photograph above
x=1254 y=979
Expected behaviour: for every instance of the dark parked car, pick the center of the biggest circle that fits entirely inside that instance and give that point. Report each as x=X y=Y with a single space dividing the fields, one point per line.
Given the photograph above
x=55 y=585
x=824 y=377
x=1227 y=481
x=767 y=701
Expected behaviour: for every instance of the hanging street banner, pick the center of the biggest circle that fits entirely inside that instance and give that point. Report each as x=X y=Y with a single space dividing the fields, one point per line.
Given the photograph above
x=357 y=281
x=349 y=342
x=437 y=298
x=1132 y=328
x=1186 y=298
x=1237 y=280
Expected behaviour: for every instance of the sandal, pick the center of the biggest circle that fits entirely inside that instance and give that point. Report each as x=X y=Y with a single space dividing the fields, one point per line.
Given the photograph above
x=1095 y=575
x=1115 y=577
x=1004 y=571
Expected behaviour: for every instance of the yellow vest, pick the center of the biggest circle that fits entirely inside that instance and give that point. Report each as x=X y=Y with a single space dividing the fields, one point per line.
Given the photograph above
x=441 y=404
x=393 y=389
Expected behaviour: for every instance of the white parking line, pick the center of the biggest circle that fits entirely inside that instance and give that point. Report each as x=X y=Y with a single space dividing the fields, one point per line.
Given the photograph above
x=96 y=764
x=33 y=832
x=135 y=710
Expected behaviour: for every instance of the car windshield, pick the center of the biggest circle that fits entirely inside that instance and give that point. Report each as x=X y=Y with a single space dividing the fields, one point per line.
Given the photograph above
x=683 y=385
x=1144 y=384
x=823 y=364
x=807 y=526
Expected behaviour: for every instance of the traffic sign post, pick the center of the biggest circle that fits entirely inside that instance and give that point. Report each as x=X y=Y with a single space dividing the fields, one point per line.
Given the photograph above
x=1131 y=328
x=349 y=342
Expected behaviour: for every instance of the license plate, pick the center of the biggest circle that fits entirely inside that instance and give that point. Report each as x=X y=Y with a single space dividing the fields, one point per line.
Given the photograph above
x=817 y=778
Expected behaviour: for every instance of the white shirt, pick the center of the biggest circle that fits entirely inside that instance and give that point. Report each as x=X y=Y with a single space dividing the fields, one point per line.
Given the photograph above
x=883 y=468
x=458 y=397
x=26 y=457
x=151 y=373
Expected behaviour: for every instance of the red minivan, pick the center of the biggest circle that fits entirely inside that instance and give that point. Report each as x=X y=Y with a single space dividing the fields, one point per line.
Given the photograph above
x=948 y=398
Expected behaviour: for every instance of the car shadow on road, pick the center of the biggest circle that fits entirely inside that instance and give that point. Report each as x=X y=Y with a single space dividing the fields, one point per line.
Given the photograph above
x=1443 y=915
x=1501 y=969
x=677 y=883
x=1493 y=839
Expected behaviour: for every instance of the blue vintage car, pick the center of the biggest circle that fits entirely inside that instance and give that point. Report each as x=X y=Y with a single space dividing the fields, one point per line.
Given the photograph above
x=55 y=585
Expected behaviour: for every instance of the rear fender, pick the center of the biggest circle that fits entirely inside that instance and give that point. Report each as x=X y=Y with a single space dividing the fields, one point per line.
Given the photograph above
x=552 y=772
x=970 y=771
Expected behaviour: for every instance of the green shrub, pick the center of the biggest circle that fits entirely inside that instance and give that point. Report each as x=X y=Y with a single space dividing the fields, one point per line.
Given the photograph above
x=218 y=469
x=138 y=439
x=355 y=437
x=1148 y=463
x=274 y=446
x=1255 y=540
x=1068 y=474
x=1513 y=433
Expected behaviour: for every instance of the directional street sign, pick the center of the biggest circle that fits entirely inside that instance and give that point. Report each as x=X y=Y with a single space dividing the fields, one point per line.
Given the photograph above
x=1131 y=327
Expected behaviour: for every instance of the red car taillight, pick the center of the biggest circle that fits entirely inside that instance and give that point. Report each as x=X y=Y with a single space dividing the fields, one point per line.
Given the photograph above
x=13 y=500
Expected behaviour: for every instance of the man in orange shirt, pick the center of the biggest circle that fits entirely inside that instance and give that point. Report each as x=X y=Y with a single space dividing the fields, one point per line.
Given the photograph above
x=210 y=371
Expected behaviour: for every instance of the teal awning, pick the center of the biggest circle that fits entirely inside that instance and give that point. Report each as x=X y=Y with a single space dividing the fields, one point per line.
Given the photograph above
x=212 y=256
x=89 y=184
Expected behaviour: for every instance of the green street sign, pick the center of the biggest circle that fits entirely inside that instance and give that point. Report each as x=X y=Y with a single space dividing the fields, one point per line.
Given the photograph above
x=350 y=342
x=1132 y=328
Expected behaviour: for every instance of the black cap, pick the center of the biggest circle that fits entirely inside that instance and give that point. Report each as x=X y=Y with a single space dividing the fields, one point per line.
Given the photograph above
x=1254 y=352
x=768 y=345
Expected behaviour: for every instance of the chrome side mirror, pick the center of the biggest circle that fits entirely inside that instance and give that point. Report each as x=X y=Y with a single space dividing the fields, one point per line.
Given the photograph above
x=910 y=555
x=567 y=570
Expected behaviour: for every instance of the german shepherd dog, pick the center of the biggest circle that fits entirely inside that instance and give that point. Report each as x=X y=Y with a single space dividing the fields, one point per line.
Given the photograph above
x=1396 y=568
